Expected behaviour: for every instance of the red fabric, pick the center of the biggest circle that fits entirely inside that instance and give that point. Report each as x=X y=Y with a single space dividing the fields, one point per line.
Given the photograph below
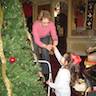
x=27 y=8
x=79 y=19
x=91 y=62
x=76 y=58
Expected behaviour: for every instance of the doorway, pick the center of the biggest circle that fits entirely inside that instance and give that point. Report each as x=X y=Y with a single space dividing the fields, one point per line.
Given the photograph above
x=44 y=7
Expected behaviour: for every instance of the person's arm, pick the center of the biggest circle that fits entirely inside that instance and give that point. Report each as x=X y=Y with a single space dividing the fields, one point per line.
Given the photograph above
x=55 y=43
x=60 y=80
x=40 y=44
x=57 y=54
x=55 y=86
x=53 y=33
x=36 y=35
x=52 y=85
x=37 y=38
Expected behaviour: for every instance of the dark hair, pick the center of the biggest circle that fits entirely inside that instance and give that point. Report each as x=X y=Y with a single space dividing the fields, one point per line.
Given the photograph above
x=44 y=14
x=73 y=68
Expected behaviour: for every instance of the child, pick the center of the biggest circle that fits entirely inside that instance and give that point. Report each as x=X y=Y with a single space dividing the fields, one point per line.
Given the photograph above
x=68 y=73
x=91 y=51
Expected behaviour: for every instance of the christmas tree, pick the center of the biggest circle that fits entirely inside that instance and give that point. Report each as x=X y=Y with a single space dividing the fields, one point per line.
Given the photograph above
x=19 y=74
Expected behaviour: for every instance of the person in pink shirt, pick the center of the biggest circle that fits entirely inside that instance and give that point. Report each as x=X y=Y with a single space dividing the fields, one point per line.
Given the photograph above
x=43 y=30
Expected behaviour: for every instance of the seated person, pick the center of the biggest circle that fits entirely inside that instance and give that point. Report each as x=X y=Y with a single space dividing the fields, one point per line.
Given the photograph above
x=91 y=51
x=91 y=57
x=90 y=77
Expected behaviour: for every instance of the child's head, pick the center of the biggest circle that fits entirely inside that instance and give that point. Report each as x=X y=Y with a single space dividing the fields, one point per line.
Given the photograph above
x=69 y=58
x=65 y=59
x=72 y=62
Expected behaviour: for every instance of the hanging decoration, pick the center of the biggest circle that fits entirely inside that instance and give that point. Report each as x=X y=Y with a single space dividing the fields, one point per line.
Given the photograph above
x=90 y=14
x=12 y=60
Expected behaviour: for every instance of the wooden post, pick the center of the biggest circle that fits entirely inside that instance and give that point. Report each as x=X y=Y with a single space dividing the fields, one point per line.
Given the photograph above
x=69 y=17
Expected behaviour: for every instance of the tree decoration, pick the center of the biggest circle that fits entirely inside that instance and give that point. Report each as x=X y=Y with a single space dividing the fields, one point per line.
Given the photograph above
x=6 y=80
x=12 y=60
x=23 y=75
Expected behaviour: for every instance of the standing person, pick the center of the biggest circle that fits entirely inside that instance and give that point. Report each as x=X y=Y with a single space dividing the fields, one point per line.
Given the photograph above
x=27 y=8
x=68 y=73
x=62 y=21
x=43 y=30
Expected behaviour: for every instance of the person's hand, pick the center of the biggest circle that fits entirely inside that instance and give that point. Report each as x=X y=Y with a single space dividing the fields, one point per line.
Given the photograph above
x=51 y=52
x=49 y=47
x=54 y=47
x=47 y=82
x=55 y=43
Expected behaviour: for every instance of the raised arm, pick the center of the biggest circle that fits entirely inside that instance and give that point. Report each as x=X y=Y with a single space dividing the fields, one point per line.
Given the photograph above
x=57 y=54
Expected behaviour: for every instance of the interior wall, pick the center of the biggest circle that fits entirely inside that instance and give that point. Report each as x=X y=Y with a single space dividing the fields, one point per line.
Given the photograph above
x=39 y=5
x=44 y=7
x=78 y=43
x=75 y=43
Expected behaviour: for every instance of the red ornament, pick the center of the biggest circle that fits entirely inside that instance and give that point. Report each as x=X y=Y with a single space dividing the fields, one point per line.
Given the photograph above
x=12 y=59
